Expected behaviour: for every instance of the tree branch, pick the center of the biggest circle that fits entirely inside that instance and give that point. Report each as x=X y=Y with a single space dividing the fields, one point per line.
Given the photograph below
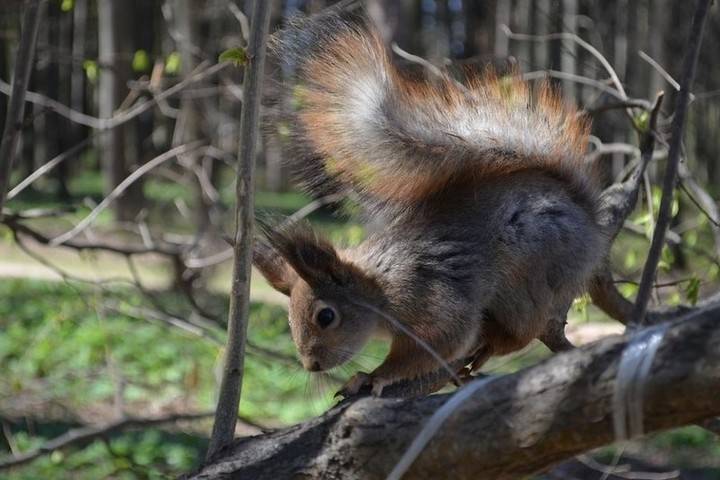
x=118 y=191
x=230 y=387
x=16 y=109
x=678 y=124
x=85 y=435
x=201 y=73
x=616 y=204
x=514 y=426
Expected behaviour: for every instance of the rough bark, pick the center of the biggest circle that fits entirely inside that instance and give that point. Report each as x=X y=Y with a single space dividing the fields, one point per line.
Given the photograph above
x=516 y=425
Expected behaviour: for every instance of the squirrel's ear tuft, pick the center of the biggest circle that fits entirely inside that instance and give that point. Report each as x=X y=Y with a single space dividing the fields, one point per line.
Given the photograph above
x=308 y=255
x=273 y=267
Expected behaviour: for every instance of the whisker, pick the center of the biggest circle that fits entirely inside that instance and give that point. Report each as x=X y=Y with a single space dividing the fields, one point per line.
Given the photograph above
x=402 y=328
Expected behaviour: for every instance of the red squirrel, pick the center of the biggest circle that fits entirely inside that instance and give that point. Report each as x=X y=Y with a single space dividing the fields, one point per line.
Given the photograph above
x=483 y=206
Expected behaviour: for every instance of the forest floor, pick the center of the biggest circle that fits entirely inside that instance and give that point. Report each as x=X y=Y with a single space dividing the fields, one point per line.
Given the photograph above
x=75 y=355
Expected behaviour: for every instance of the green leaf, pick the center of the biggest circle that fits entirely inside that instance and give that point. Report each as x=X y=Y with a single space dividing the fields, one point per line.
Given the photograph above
x=675 y=205
x=629 y=289
x=631 y=259
x=56 y=457
x=642 y=121
x=282 y=129
x=173 y=62
x=713 y=273
x=141 y=61
x=667 y=259
x=692 y=291
x=580 y=304
x=237 y=55
x=91 y=70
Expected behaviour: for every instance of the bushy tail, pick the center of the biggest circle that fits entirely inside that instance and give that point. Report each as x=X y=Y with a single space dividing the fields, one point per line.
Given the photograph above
x=362 y=122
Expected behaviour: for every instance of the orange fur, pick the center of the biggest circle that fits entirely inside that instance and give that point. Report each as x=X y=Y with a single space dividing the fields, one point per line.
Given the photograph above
x=332 y=76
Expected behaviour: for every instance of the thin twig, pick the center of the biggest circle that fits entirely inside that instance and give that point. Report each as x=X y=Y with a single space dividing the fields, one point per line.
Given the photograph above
x=703 y=201
x=85 y=435
x=619 y=200
x=230 y=387
x=16 y=109
x=118 y=191
x=12 y=222
x=678 y=124
x=201 y=73
x=575 y=38
x=416 y=59
x=67 y=154
x=668 y=78
x=621 y=104
x=241 y=18
x=603 y=87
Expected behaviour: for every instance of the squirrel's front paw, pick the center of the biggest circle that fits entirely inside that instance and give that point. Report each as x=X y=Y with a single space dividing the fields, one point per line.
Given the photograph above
x=377 y=386
x=355 y=384
x=361 y=380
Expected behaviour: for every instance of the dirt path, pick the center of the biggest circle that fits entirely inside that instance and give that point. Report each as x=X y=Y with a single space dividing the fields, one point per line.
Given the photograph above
x=153 y=270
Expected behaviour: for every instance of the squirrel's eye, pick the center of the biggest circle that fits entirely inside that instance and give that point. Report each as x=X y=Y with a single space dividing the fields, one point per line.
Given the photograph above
x=325 y=317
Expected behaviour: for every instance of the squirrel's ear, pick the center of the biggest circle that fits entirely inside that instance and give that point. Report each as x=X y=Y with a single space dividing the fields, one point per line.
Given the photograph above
x=317 y=262
x=279 y=274
x=308 y=255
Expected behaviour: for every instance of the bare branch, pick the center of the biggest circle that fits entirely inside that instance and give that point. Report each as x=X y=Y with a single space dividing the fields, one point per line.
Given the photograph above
x=202 y=72
x=230 y=387
x=678 y=125
x=23 y=68
x=622 y=104
x=13 y=222
x=416 y=59
x=602 y=86
x=85 y=435
x=618 y=201
x=241 y=18
x=575 y=38
x=118 y=191
x=49 y=166
x=659 y=69
x=703 y=201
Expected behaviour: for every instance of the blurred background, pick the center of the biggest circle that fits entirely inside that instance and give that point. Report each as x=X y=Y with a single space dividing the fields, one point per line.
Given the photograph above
x=112 y=313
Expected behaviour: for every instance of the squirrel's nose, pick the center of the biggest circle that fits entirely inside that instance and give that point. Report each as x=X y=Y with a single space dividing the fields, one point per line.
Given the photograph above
x=314 y=366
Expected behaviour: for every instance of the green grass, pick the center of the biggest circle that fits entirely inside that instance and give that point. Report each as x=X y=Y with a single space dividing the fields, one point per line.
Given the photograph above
x=59 y=343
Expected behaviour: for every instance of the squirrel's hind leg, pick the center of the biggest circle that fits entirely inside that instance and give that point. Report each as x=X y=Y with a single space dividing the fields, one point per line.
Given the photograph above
x=476 y=360
x=554 y=336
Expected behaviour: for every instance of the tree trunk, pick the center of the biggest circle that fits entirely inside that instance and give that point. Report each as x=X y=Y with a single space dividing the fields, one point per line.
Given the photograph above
x=514 y=426
x=77 y=82
x=61 y=72
x=568 y=57
x=503 y=10
x=113 y=18
x=541 y=26
x=186 y=17
x=23 y=67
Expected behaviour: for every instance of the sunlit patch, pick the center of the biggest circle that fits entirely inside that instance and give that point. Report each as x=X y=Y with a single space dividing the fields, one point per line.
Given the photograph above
x=298 y=99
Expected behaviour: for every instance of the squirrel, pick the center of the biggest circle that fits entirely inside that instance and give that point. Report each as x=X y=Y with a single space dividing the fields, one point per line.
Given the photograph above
x=485 y=204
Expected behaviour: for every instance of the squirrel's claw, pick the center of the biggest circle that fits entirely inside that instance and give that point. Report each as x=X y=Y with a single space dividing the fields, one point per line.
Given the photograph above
x=355 y=384
x=377 y=386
